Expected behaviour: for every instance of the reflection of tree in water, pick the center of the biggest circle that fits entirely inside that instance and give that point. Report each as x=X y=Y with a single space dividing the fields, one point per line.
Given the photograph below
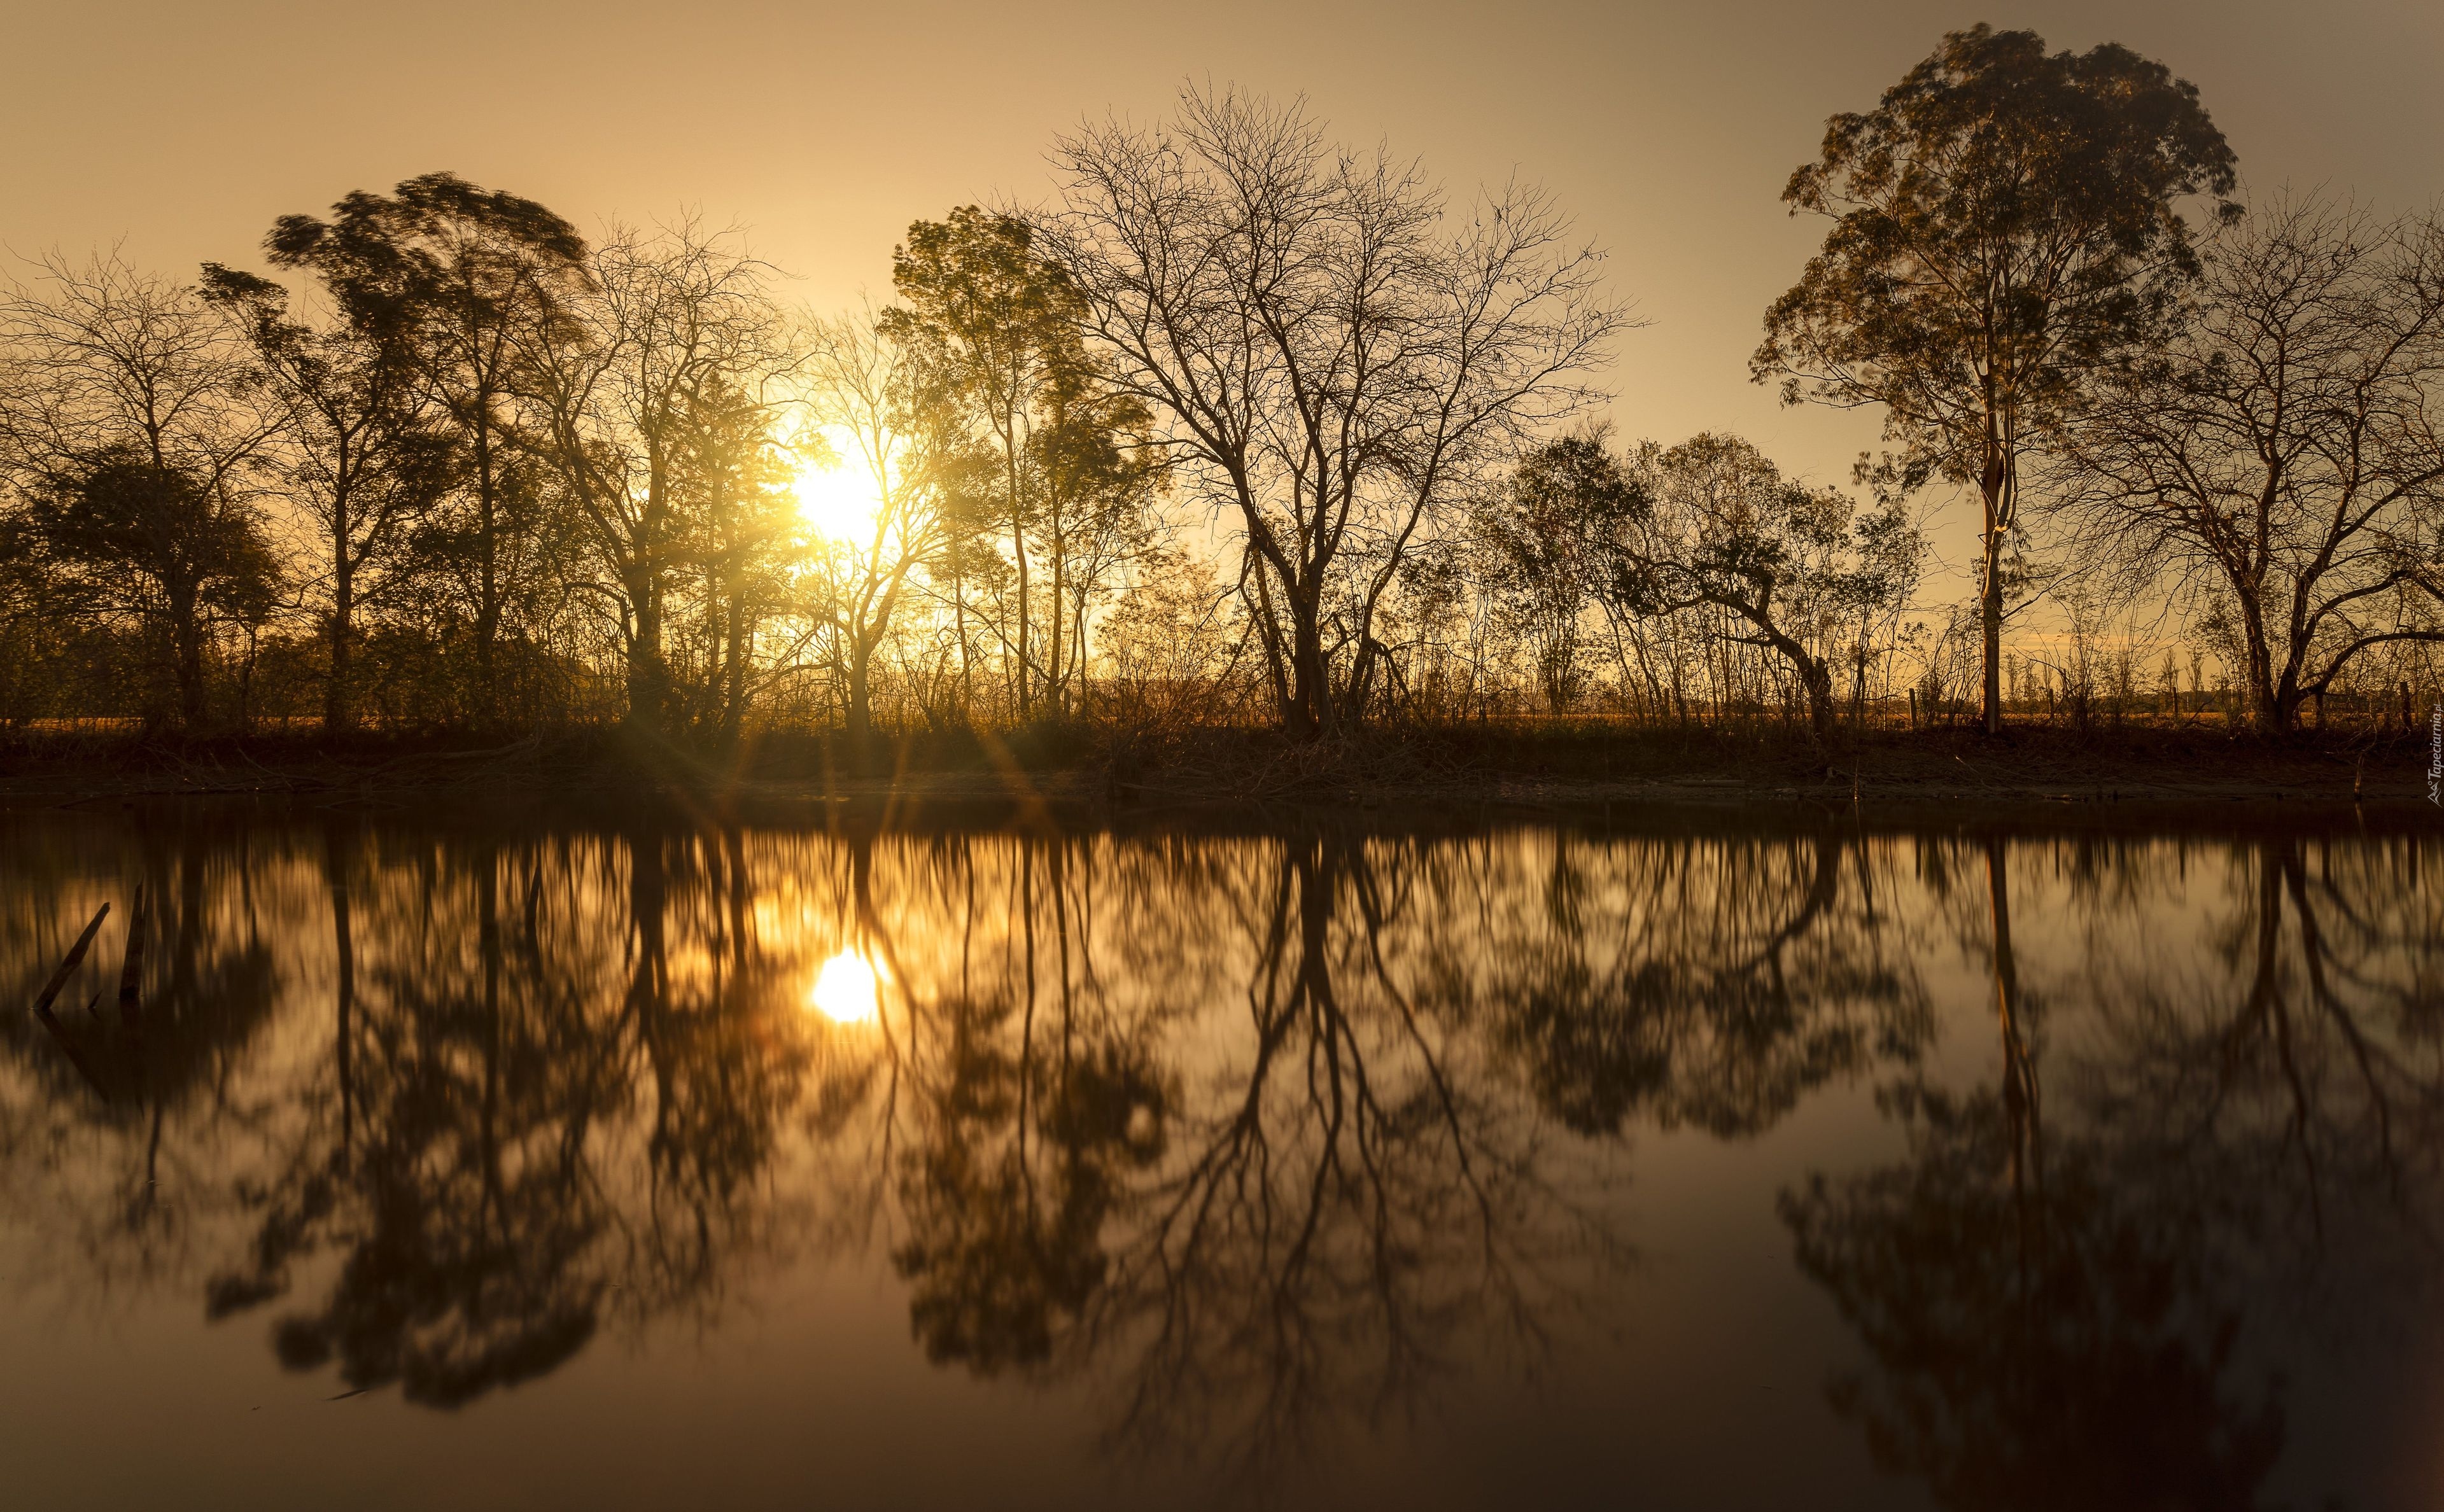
x=1315 y=1222
x=2062 y=1346
x=1254 y=1136
x=2054 y=1314
x=1256 y=1222
x=135 y=1105
x=2298 y=1059
x=1707 y=982
x=1358 y=1206
x=1231 y=1128
x=1018 y=1106
x=1005 y=1241
x=512 y=1030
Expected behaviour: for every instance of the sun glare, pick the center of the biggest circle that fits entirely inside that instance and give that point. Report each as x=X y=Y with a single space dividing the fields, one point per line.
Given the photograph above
x=847 y=990
x=838 y=501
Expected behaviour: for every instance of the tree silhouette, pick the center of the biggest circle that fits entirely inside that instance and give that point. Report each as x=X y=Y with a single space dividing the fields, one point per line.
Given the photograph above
x=2004 y=224
x=357 y=448
x=466 y=276
x=1246 y=279
x=2279 y=447
x=151 y=1085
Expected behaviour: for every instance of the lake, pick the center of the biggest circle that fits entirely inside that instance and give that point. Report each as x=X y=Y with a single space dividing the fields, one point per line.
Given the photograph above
x=1280 y=1161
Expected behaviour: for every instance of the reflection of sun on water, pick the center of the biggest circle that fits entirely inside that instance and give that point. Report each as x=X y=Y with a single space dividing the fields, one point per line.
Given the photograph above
x=847 y=990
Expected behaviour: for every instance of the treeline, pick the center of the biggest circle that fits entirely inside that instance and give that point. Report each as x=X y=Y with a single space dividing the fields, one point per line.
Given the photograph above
x=1242 y=427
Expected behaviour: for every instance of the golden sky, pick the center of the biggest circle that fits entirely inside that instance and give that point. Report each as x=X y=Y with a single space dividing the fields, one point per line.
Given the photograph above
x=1668 y=130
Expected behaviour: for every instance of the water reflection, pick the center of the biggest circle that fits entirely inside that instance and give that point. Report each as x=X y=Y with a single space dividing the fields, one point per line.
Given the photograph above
x=2054 y=1299
x=1259 y=1143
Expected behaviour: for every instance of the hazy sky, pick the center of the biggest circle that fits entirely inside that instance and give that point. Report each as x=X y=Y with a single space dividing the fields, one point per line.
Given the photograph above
x=1668 y=131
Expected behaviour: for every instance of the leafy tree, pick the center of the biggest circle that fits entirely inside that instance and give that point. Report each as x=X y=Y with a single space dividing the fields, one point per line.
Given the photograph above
x=1095 y=472
x=1713 y=523
x=996 y=326
x=33 y=648
x=468 y=275
x=1540 y=534
x=2005 y=224
x=162 y=547
x=358 y=451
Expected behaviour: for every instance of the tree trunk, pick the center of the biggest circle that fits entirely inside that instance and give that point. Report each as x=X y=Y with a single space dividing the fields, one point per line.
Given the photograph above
x=733 y=703
x=488 y=603
x=1990 y=605
x=1269 y=625
x=2273 y=707
x=1054 y=683
x=648 y=703
x=337 y=716
x=959 y=627
x=187 y=646
x=1078 y=647
x=1025 y=621
x=1814 y=676
x=1309 y=712
x=860 y=700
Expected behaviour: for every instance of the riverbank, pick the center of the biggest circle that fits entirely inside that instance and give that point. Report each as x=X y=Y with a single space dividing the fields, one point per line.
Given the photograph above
x=1585 y=770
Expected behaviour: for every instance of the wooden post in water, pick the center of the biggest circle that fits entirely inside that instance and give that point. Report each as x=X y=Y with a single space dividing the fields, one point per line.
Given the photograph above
x=68 y=964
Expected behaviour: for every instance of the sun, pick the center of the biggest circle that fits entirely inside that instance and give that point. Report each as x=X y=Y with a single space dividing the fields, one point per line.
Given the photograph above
x=838 y=501
x=847 y=990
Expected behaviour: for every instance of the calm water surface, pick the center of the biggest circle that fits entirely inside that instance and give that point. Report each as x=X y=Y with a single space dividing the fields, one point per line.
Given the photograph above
x=551 y=1166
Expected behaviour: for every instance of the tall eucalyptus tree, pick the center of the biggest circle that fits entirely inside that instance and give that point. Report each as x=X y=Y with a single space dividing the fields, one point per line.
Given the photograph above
x=2006 y=224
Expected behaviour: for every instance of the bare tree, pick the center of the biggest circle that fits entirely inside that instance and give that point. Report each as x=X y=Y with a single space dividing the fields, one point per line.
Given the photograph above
x=131 y=412
x=676 y=327
x=1335 y=362
x=2279 y=463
